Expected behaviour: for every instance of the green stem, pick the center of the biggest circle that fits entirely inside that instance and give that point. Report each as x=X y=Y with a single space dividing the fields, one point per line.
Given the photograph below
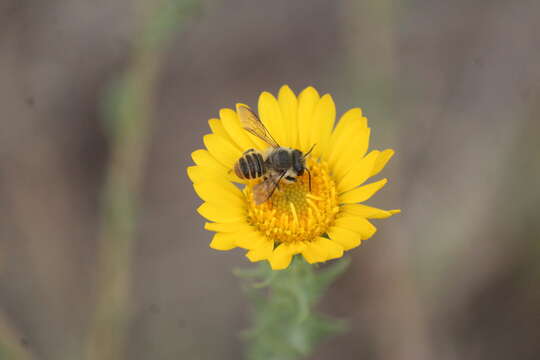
x=12 y=343
x=285 y=325
x=129 y=113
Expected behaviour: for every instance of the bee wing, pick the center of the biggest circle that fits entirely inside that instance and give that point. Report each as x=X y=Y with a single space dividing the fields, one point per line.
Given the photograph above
x=251 y=123
x=265 y=189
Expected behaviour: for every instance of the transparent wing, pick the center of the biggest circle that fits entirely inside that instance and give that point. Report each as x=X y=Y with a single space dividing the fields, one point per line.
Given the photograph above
x=251 y=123
x=264 y=190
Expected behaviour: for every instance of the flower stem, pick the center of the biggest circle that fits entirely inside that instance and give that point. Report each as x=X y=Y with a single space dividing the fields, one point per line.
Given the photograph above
x=12 y=344
x=285 y=325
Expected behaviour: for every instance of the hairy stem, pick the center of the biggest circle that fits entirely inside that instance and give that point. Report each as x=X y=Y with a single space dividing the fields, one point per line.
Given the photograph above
x=285 y=325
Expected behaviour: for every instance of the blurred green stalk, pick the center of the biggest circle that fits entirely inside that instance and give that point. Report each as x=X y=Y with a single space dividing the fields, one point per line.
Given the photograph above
x=285 y=325
x=12 y=344
x=128 y=112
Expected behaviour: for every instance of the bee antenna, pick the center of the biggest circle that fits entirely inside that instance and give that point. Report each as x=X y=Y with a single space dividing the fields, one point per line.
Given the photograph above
x=310 y=150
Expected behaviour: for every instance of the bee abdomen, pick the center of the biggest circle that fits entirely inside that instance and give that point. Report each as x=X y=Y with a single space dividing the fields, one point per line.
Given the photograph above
x=249 y=166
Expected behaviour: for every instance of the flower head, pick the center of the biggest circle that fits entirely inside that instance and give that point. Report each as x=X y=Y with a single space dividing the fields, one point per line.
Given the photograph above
x=320 y=215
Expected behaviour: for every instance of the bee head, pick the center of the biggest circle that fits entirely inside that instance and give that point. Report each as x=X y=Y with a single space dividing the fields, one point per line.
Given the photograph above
x=298 y=162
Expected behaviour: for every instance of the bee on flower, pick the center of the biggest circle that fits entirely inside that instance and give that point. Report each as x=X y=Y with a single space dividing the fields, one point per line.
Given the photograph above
x=302 y=179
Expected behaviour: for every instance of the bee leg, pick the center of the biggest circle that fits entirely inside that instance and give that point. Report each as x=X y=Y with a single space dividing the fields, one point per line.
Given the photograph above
x=277 y=184
x=309 y=177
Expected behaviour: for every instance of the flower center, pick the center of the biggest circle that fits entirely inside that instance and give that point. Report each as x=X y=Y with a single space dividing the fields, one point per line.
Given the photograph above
x=294 y=213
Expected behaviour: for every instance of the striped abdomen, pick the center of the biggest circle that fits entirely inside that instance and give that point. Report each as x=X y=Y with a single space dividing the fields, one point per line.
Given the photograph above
x=250 y=165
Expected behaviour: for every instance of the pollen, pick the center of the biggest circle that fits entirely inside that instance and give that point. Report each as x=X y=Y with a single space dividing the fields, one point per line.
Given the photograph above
x=294 y=213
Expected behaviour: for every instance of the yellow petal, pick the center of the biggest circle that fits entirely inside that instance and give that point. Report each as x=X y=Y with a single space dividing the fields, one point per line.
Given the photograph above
x=217 y=128
x=217 y=213
x=262 y=252
x=307 y=100
x=359 y=172
x=212 y=168
x=350 y=122
x=352 y=149
x=250 y=239
x=322 y=124
x=346 y=238
x=204 y=158
x=247 y=238
x=228 y=226
x=224 y=151
x=366 y=211
x=333 y=249
x=220 y=192
x=289 y=109
x=356 y=224
x=281 y=256
x=201 y=173
x=361 y=193
x=381 y=162
x=221 y=241
x=315 y=252
x=270 y=115
x=197 y=174
x=234 y=129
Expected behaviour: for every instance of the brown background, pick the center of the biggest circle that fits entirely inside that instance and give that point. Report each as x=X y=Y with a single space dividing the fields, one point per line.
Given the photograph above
x=453 y=86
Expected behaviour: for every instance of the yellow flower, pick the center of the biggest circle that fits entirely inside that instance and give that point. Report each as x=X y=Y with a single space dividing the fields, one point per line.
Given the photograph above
x=319 y=224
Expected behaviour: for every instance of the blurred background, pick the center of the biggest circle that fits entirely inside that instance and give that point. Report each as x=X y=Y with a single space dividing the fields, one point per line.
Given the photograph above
x=93 y=90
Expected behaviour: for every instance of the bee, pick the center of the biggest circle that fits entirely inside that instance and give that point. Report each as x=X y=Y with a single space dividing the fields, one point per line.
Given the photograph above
x=274 y=165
